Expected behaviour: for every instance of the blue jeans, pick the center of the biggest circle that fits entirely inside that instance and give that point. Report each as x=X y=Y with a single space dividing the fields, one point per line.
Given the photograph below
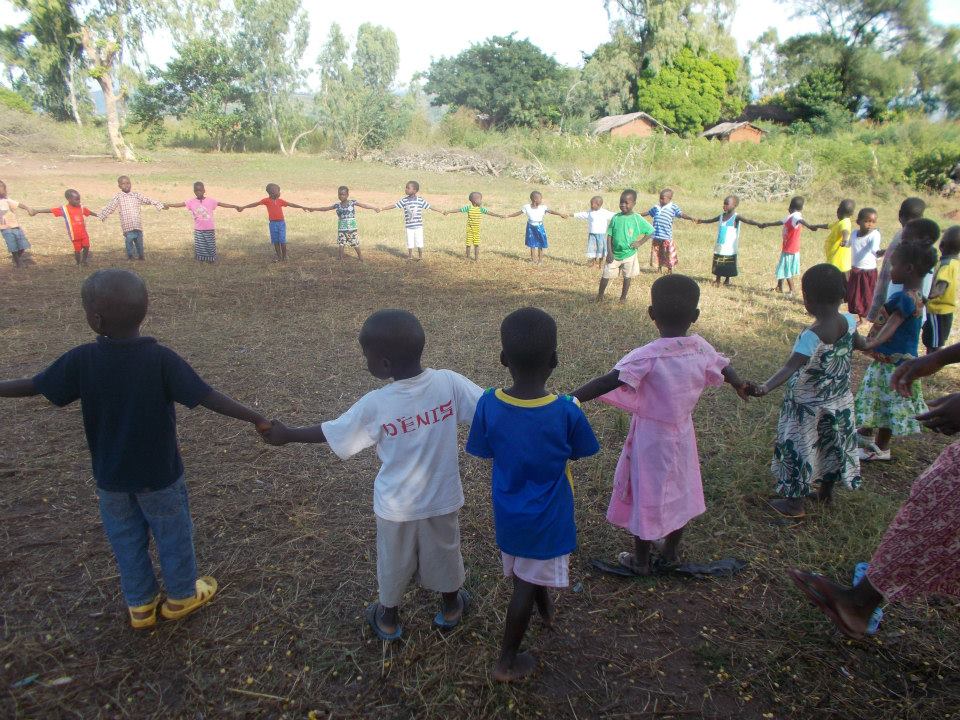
x=134 y=242
x=129 y=519
x=278 y=232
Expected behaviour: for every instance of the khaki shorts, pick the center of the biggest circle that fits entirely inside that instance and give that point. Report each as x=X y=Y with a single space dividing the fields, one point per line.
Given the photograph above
x=628 y=268
x=427 y=549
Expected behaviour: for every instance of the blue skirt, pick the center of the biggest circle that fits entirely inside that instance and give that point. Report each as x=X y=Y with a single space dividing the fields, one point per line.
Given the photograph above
x=536 y=236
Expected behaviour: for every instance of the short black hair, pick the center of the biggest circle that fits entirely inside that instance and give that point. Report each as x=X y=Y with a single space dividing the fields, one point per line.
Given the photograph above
x=922 y=231
x=342 y=188
x=535 y=192
x=796 y=203
x=416 y=185
x=847 y=206
x=824 y=284
x=734 y=198
x=628 y=192
x=118 y=296
x=666 y=191
x=912 y=208
x=395 y=334
x=675 y=299
x=529 y=339
x=950 y=241
x=922 y=256
x=70 y=191
x=865 y=213
x=200 y=183
x=475 y=192
x=271 y=185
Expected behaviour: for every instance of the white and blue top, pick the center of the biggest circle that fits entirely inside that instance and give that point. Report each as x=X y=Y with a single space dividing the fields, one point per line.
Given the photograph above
x=413 y=208
x=728 y=236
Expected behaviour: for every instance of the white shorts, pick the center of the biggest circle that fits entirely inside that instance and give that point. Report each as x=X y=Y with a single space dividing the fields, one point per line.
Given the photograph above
x=554 y=572
x=628 y=268
x=414 y=237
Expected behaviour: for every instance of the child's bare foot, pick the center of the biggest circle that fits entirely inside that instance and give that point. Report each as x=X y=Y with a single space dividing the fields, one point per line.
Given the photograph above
x=522 y=666
x=623 y=301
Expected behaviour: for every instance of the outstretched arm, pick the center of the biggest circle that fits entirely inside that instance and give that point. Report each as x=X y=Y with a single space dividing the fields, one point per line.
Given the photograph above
x=808 y=226
x=796 y=361
x=734 y=380
x=18 y=388
x=280 y=434
x=325 y=208
x=224 y=405
x=247 y=207
x=298 y=207
x=436 y=210
x=178 y=205
x=518 y=213
x=358 y=204
x=107 y=209
x=748 y=221
x=388 y=207
x=558 y=214
x=228 y=205
x=598 y=386
x=144 y=200
x=709 y=221
x=39 y=210
x=684 y=216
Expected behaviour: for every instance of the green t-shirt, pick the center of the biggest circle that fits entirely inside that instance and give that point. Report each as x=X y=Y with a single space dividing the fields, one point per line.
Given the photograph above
x=626 y=230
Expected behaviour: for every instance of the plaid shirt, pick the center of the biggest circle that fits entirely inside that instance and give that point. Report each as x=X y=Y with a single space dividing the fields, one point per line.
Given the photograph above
x=883 y=281
x=129 y=205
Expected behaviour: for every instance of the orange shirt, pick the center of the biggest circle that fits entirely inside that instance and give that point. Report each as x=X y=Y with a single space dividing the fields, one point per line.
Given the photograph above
x=274 y=207
x=73 y=217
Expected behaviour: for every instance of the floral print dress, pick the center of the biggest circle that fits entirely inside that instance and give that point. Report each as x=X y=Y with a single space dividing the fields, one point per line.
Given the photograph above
x=816 y=434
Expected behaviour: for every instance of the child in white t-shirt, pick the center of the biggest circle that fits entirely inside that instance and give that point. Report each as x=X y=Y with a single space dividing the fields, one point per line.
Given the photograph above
x=535 y=236
x=597 y=219
x=864 y=251
x=417 y=494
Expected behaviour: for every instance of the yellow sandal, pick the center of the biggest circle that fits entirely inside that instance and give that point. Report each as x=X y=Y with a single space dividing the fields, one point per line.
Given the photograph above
x=176 y=609
x=144 y=617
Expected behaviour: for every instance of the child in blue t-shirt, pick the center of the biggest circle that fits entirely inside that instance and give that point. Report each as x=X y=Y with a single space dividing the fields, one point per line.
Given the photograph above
x=127 y=385
x=531 y=435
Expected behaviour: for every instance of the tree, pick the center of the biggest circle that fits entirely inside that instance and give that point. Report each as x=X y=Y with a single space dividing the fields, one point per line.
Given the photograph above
x=765 y=67
x=607 y=84
x=271 y=41
x=692 y=92
x=509 y=81
x=817 y=99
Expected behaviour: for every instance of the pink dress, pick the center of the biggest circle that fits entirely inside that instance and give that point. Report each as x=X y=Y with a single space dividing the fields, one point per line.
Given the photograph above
x=657 y=487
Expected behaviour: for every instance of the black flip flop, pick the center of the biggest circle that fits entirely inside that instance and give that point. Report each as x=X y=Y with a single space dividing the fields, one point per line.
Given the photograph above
x=371 y=616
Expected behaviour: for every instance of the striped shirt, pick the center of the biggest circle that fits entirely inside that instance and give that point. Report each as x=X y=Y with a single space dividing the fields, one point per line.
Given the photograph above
x=474 y=213
x=413 y=208
x=129 y=206
x=663 y=217
x=73 y=218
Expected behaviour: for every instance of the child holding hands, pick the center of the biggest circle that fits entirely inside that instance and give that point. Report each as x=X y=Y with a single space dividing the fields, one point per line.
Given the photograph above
x=413 y=206
x=788 y=267
x=657 y=486
x=475 y=211
x=73 y=214
x=728 y=239
x=626 y=231
x=535 y=236
x=204 y=231
x=13 y=234
x=346 y=208
x=277 y=224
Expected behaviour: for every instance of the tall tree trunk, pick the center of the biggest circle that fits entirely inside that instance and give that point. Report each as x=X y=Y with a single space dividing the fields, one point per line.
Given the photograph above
x=119 y=145
x=72 y=89
x=275 y=121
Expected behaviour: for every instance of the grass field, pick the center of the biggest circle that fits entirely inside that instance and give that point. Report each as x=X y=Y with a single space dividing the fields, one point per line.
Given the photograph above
x=289 y=532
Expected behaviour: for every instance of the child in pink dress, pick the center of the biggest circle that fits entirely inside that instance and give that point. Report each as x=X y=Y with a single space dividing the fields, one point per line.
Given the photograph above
x=657 y=486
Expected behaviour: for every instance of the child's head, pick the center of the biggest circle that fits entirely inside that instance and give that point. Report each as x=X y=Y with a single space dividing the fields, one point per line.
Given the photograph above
x=475 y=198
x=730 y=202
x=412 y=187
x=666 y=195
x=529 y=340
x=911 y=209
x=845 y=208
x=115 y=301
x=911 y=261
x=392 y=342
x=123 y=182
x=536 y=197
x=921 y=231
x=628 y=199
x=674 y=301
x=72 y=197
x=796 y=203
x=824 y=288
x=343 y=193
x=950 y=242
x=596 y=202
x=199 y=190
x=867 y=219
x=273 y=190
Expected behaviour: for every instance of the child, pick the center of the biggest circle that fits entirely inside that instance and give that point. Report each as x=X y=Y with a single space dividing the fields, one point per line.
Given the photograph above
x=417 y=493
x=346 y=220
x=535 y=236
x=598 y=218
x=892 y=340
x=413 y=207
x=10 y=228
x=910 y=209
x=789 y=265
x=73 y=214
x=816 y=435
x=836 y=247
x=131 y=222
x=531 y=435
x=474 y=212
x=204 y=231
x=728 y=239
x=942 y=302
x=657 y=487
x=278 y=226
x=864 y=251
x=127 y=385
x=663 y=216
x=625 y=233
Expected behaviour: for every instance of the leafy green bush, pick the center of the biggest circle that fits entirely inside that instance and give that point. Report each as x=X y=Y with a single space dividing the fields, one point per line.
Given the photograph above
x=14 y=101
x=930 y=170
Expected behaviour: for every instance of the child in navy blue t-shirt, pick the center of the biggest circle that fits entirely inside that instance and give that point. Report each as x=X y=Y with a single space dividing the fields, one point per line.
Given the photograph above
x=127 y=385
x=531 y=435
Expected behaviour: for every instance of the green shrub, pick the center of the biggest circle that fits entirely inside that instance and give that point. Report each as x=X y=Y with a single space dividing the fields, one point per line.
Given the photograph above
x=930 y=170
x=14 y=101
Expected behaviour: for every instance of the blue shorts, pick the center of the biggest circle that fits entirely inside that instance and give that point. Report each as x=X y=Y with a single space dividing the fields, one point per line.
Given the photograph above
x=278 y=232
x=536 y=236
x=596 y=245
x=15 y=239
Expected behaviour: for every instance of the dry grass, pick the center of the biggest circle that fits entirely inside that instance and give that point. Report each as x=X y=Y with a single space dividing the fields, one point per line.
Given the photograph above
x=289 y=532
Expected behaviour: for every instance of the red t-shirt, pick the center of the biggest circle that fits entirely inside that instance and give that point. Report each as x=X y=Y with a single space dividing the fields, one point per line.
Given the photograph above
x=791 y=233
x=76 y=227
x=274 y=207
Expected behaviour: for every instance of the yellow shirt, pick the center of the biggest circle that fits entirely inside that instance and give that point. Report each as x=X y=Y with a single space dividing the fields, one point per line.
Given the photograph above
x=948 y=272
x=836 y=255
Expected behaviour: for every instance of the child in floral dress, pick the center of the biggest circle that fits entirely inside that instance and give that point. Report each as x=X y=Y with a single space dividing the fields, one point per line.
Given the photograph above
x=346 y=209
x=816 y=435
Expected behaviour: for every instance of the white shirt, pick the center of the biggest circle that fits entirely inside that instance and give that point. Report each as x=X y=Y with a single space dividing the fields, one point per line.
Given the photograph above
x=534 y=214
x=597 y=220
x=413 y=423
x=864 y=249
